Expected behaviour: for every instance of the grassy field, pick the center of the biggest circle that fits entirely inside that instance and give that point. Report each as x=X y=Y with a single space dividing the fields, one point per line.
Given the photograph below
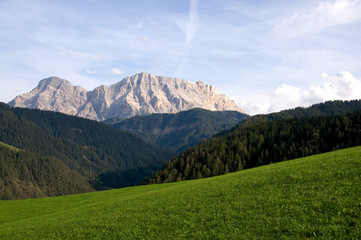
x=315 y=197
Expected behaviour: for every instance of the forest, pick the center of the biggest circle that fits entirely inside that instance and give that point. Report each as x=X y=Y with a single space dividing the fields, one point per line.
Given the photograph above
x=266 y=139
x=105 y=156
x=29 y=175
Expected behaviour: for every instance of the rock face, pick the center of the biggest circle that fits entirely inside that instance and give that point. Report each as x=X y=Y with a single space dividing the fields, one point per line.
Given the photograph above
x=140 y=94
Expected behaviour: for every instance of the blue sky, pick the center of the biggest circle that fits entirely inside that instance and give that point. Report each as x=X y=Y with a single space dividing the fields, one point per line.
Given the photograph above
x=266 y=55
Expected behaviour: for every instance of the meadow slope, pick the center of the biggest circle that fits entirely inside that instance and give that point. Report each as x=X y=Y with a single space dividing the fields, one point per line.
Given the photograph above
x=313 y=197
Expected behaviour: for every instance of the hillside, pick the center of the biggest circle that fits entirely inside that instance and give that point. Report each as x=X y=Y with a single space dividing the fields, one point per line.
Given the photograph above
x=106 y=156
x=265 y=139
x=329 y=108
x=177 y=132
x=28 y=175
x=311 y=198
x=140 y=94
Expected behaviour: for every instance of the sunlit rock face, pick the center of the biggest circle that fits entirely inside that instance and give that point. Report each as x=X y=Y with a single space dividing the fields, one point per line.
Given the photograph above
x=140 y=94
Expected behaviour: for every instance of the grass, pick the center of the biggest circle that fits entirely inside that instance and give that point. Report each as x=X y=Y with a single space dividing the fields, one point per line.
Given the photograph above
x=315 y=197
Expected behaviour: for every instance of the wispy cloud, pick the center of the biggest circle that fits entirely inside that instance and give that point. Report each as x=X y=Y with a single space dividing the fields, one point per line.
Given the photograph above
x=325 y=15
x=90 y=72
x=191 y=27
x=116 y=71
x=343 y=86
x=189 y=24
x=103 y=57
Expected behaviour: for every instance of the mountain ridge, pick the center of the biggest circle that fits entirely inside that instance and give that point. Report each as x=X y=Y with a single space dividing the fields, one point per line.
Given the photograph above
x=177 y=132
x=139 y=94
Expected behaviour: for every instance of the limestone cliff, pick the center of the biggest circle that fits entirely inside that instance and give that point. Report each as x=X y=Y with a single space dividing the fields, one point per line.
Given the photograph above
x=140 y=94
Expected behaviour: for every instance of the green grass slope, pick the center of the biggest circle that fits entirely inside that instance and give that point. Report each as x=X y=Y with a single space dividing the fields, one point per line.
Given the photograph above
x=315 y=197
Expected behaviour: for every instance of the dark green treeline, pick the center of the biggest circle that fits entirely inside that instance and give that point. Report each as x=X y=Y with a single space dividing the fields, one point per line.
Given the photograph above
x=268 y=139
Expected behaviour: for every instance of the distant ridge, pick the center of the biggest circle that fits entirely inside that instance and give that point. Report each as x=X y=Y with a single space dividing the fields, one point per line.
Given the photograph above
x=140 y=94
x=177 y=132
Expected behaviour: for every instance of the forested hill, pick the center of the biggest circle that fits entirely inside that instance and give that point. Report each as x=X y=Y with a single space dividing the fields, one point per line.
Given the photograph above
x=28 y=175
x=329 y=108
x=177 y=132
x=106 y=156
x=269 y=138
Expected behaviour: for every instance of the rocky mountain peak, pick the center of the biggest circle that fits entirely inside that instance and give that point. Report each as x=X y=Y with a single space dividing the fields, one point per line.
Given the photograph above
x=139 y=94
x=52 y=82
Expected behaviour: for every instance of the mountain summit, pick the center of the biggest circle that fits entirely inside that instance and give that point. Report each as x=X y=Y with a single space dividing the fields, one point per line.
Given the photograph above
x=140 y=94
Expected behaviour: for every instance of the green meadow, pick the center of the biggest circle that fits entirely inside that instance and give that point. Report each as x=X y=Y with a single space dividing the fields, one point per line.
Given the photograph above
x=315 y=197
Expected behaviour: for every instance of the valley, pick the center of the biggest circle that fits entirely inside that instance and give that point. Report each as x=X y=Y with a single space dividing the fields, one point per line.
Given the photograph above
x=177 y=132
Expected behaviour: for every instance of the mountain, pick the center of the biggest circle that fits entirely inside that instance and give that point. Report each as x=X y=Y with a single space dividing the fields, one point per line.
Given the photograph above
x=265 y=139
x=177 y=132
x=105 y=156
x=140 y=94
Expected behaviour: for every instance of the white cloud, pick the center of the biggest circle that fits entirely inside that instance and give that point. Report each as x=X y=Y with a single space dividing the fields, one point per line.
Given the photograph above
x=90 y=72
x=325 y=15
x=343 y=86
x=116 y=71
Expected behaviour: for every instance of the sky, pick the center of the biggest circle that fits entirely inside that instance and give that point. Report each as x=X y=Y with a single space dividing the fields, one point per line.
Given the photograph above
x=267 y=55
